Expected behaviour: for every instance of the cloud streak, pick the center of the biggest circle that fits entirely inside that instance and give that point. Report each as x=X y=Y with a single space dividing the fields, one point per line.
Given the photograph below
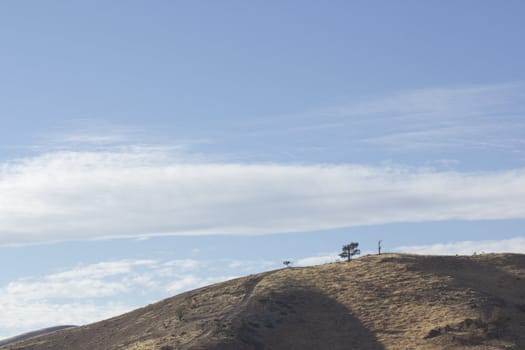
x=88 y=293
x=513 y=245
x=471 y=117
x=140 y=192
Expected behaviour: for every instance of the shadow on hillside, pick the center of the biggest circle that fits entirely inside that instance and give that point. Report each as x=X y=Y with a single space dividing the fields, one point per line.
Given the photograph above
x=299 y=319
x=501 y=294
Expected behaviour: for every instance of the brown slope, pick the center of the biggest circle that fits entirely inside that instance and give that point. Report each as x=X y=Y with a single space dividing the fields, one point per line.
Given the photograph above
x=376 y=302
x=29 y=335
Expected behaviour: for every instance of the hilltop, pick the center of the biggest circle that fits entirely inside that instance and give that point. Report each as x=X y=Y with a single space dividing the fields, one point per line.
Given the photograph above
x=390 y=301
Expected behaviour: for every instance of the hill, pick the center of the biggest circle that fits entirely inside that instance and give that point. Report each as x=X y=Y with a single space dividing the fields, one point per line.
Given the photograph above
x=375 y=302
x=29 y=335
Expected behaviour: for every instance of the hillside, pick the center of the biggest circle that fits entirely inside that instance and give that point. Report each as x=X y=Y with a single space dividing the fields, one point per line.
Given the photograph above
x=375 y=302
x=33 y=334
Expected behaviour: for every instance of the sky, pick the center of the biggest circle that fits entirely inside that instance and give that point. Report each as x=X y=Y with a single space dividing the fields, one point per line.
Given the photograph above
x=151 y=147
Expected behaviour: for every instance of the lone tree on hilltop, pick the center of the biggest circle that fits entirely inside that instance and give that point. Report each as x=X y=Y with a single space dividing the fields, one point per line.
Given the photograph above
x=349 y=250
x=287 y=263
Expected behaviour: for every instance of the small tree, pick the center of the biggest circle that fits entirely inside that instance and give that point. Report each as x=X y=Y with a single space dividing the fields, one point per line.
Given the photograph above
x=349 y=250
x=287 y=263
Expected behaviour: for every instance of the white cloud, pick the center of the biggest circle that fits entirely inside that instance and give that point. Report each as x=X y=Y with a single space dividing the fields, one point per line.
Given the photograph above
x=83 y=282
x=79 y=295
x=102 y=269
x=88 y=293
x=78 y=289
x=184 y=264
x=251 y=265
x=318 y=260
x=513 y=245
x=17 y=316
x=325 y=258
x=138 y=192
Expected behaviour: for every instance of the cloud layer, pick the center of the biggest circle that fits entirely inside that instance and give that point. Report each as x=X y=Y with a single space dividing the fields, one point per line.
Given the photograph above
x=513 y=245
x=88 y=293
x=143 y=192
x=473 y=117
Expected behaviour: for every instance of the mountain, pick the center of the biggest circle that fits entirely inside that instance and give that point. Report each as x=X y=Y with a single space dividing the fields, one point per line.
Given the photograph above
x=390 y=301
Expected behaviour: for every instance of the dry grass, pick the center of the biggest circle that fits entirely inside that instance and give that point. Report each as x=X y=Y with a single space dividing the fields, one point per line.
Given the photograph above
x=375 y=302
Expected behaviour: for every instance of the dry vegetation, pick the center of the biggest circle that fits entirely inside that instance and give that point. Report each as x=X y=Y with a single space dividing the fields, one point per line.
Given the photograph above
x=375 y=302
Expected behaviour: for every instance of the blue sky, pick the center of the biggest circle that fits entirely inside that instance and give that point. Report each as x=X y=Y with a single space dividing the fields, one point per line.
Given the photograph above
x=147 y=148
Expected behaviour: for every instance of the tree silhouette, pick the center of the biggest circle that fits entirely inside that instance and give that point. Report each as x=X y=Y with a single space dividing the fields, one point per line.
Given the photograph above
x=287 y=263
x=349 y=250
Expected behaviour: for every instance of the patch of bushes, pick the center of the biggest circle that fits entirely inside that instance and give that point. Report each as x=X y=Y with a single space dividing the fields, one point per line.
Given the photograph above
x=492 y=324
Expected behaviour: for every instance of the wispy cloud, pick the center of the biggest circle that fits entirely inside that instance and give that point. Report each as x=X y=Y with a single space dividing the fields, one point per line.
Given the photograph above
x=79 y=295
x=88 y=293
x=513 y=245
x=250 y=265
x=83 y=282
x=18 y=317
x=443 y=104
x=93 y=138
x=143 y=192
x=486 y=136
x=90 y=132
x=318 y=259
x=475 y=117
x=468 y=119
